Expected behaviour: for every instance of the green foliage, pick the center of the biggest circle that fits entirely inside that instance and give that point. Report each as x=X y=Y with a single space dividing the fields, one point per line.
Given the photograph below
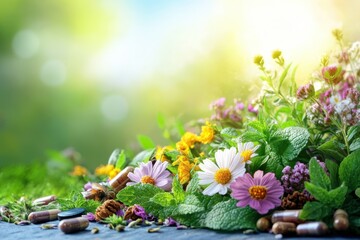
x=357 y=192
x=121 y=160
x=76 y=200
x=143 y=156
x=349 y=171
x=315 y=211
x=145 y=142
x=318 y=176
x=332 y=150
x=333 y=169
x=177 y=190
x=114 y=220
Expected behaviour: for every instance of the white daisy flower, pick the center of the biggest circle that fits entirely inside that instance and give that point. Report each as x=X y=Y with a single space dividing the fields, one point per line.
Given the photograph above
x=247 y=151
x=227 y=168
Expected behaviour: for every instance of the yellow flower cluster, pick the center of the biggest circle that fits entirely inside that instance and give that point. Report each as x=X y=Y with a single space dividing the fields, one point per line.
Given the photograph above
x=79 y=171
x=160 y=153
x=104 y=170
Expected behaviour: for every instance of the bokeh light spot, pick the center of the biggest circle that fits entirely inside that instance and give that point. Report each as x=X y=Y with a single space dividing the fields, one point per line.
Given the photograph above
x=53 y=73
x=114 y=107
x=25 y=44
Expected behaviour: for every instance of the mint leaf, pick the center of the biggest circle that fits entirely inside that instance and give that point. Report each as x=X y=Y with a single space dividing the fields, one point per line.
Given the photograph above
x=121 y=160
x=337 y=196
x=315 y=211
x=334 y=198
x=177 y=190
x=226 y=216
x=145 y=142
x=229 y=132
x=164 y=199
x=273 y=164
x=333 y=169
x=193 y=185
x=355 y=145
x=318 y=175
x=332 y=150
x=349 y=171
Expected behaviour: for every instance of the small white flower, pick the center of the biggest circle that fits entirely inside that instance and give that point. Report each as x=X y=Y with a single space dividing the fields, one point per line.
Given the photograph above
x=247 y=151
x=227 y=168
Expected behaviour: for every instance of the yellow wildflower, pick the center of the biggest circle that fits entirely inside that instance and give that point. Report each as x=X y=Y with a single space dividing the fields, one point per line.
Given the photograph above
x=113 y=173
x=276 y=54
x=207 y=133
x=259 y=60
x=159 y=155
x=180 y=159
x=79 y=171
x=182 y=147
x=104 y=169
x=190 y=139
x=184 y=171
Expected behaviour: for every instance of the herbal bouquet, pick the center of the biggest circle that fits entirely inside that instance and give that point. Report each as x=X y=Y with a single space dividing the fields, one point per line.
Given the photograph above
x=291 y=148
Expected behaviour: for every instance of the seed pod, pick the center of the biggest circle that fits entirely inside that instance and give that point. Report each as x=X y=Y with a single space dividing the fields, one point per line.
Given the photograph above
x=263 y=224
x=312 y=228
x=120 y=228
x=73 y=225
x=341 y=220
x=120 y=180
x=152 y=230
x=283 y=228
x=95 y=230
x=44 y=200
x=286 y=216
x=43 y=216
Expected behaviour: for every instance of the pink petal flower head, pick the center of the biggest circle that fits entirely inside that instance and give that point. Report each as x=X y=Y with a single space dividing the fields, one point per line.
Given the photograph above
x=332 y=74
x=305 y=92
x=261 y=192
x=155 y=174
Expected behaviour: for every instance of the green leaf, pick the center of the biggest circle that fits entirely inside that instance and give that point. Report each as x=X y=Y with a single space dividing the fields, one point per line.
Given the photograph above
x=177 y=190
x=297 y=138
x=283 y=76
x=145 y=142
x=333 y=169
x=315 y=211
x=332 y=150
x=274 y=164
x=180 y=127
x=143 y=156
x=349 y=171
x=227 y=217
x=193 y=185
x=121 y=161
x=334 y=198
x=229 y=132
x=257 y=125
x=355 y=145
x=357 y=192
x=164 y=199
x=318 y=175
x=252 y=136
x=161 y=120
x=352 y=131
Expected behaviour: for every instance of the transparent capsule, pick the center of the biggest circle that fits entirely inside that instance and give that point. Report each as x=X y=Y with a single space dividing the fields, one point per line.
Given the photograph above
x=283 y=228
x=286 y=216
x=120 y=180
x=73 y=225
x=43 y=216
x=312 y=228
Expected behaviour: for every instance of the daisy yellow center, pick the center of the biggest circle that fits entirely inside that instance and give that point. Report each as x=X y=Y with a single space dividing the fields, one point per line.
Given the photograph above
x=257 y=192
x=223 y=176
x=147 y=179
x=246 y=154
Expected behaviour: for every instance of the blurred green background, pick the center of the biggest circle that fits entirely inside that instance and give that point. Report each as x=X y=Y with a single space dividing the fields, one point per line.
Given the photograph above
x=93 y=74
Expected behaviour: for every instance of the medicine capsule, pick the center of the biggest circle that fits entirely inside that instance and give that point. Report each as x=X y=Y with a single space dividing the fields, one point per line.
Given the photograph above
x=73 y=225
x=283 y=228
x=43 y=216
x=263 y=224
x=341 y=220
x=44 y=200
x=312 y=228
x=120 y=180
x=286 y=216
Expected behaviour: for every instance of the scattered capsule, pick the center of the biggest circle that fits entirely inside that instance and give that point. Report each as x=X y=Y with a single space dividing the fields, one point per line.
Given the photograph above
x=263 y=224
x=152 y=230
x=149 y=223
x=44 y=200
x=120 y=228
x=95 y=230
x=23 y=223
x=48 y=226
x=72 y=225
x=341 y=220
x=120 y=180
x=134 y=224
x=286 y=216
x=283 y=228
x=312 y=228
x=43 y=216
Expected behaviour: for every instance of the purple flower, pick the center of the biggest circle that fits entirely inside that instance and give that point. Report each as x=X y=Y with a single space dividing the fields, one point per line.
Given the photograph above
x=88 y=186
x=171 y=222
x=90 y=216
x=261 y=192
x=140 y=212
x=120 y=213
x=152 y=174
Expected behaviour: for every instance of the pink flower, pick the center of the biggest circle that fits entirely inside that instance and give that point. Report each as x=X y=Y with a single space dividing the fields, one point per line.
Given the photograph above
x=261 y=192
x=152 y=174
x=332 y=74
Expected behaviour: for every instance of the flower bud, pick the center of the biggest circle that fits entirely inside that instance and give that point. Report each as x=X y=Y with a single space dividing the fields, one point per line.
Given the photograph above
x=305 y=92
x=276 y=54
x=332 y=74
x=259 y=60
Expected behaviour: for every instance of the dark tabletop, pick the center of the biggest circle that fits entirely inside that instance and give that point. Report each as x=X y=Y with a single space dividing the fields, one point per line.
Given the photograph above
x=34 y=231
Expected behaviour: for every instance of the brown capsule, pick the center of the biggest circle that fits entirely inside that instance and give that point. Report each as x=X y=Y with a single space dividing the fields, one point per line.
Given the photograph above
x=283 y=228
x=43 y=216
x=263 y=224
x=286 y=216
x=120 y=180
x=72 y=225
x=312 y=228
x=341 y=223
x=340 y=213
x=44 y=200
